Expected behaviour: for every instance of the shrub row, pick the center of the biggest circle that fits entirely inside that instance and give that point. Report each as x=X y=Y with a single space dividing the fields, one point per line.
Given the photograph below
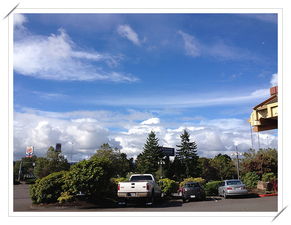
x=91 y=178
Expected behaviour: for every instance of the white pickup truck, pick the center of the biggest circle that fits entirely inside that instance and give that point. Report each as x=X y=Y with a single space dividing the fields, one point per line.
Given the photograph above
x=139 y=187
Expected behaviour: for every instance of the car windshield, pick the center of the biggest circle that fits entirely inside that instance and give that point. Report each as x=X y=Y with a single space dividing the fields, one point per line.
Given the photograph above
x=233 y=182
x=139 y=178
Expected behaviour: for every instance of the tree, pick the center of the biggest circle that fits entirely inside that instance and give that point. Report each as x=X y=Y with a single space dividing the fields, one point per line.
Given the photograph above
x=121 y=165
x=207 y=171
x=224 y=166
x=261 y=162
x=187 y=154
x=148 y=160
x=27 y=164
x=53 y=162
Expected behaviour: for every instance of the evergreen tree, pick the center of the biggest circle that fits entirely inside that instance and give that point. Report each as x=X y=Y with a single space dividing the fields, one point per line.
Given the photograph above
x=224 y=166
x=187 y=155
x=53 y=162
x=148 y=160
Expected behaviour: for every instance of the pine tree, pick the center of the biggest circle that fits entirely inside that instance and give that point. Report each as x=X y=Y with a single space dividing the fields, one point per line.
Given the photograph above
x=187 y=155
x=148 y=160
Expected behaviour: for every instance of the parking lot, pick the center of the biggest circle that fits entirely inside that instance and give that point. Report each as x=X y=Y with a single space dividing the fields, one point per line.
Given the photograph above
x=22 y=203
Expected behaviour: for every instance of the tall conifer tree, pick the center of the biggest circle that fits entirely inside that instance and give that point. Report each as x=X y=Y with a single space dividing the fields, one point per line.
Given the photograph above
x=148 y=160
x=187 y=155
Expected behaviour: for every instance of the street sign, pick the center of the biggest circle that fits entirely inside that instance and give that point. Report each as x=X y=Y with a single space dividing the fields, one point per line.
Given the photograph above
x=29 y=151
x=167 y=151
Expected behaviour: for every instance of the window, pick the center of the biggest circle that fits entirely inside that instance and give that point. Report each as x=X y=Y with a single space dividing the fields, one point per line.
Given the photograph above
x=233 y=182
x=140 y=178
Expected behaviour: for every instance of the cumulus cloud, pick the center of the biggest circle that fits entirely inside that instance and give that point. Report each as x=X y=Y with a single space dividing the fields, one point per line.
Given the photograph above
x=127 y=32
x=212 y=137
x=79 y=137
x=58 y=57
x=151 y=121
x=81 y=133
x=19 y=20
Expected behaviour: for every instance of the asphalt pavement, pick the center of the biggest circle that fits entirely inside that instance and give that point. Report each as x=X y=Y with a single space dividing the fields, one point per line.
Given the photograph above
x=23 y=203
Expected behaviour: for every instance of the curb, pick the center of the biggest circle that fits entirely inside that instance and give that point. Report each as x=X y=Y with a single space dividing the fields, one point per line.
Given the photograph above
x=267 y=195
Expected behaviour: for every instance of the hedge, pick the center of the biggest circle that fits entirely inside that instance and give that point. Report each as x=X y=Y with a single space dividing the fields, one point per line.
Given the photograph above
x=269 y=177
x=250 y=179
x=168 y=186
x=211 y=188
x=47 y=189
x=192 y=179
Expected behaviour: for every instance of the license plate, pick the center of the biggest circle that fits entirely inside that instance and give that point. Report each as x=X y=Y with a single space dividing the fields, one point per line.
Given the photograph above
x=238 y=188
x=131 y=194
x=192 y=196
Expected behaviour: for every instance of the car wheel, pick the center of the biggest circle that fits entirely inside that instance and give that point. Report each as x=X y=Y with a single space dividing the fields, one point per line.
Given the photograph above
x=224 y=195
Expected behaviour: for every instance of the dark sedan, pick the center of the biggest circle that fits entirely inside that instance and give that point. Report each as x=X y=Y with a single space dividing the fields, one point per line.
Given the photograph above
x=192 y=190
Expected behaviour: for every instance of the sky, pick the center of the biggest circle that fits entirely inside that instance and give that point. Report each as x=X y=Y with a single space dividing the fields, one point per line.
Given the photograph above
x=87 y=79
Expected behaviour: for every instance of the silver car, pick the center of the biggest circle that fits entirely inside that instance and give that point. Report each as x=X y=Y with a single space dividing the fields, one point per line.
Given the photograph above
x=232 y=188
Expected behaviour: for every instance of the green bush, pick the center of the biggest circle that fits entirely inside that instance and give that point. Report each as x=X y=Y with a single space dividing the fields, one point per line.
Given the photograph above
x=65 y=197
x=119 y=179
x=92 y=178
x=192 y=179
x=211 y=188
x=47 y=189
x=269 y=177
x=30 y=181
x=168 y=186
x=250 y=179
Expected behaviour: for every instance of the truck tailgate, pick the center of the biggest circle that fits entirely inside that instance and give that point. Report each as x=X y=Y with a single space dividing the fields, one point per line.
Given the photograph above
x=133 y=187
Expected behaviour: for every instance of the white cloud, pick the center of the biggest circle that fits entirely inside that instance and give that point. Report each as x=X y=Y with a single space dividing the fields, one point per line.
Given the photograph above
x=183 y=101
x=191 y=44
x=57 y=57
x=219 y=49
x=274 y=80
x=151 y=121
x=265 y=17
x=212 y=137
x=19 y=20
x=86 y=134
x=126 y=31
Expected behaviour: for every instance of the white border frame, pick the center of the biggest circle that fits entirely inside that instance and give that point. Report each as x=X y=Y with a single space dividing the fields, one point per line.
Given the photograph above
x=279 y=11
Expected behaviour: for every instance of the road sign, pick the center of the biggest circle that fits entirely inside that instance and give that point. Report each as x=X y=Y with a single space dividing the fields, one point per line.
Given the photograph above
x=29 y=151
x=167 y=151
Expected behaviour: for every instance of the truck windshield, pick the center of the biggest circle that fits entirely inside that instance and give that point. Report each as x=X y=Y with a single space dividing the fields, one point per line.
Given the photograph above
x=139 y=178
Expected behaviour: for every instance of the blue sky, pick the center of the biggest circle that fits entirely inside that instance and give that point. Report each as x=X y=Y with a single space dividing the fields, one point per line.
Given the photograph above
x=86 y=79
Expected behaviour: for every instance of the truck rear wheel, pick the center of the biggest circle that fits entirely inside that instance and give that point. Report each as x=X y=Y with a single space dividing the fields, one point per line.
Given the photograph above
x=151 y=199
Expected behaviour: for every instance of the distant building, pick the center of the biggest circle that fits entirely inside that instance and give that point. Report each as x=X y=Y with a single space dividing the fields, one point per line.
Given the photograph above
x=265 y=115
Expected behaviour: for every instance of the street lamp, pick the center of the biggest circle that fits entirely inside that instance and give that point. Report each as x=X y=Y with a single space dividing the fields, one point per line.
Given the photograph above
x=236 y=153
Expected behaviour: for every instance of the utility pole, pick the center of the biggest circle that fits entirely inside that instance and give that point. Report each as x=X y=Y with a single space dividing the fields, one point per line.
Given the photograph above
x=252 y=142
x=236 y=153
x=19 y=172
x=259 y=141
